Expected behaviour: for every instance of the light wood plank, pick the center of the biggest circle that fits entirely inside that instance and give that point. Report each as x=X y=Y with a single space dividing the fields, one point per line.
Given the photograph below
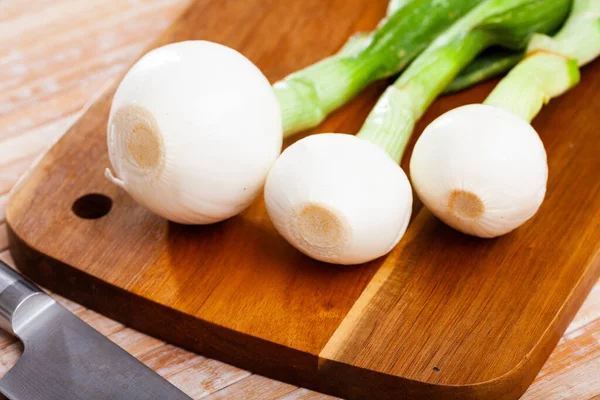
x=113 y=42
x=253 y=387
x=169 y=360
x=206 y=377
x=589 y=311
x=11 y=172
x=31 y=143
x=6 y=257
x=6 y=339
x=305 y=394
x=34 y=73
x=19 y=32
x=134 y=342
x=11 y=10
x=3 y=237
x=68 y=19
x=573 y=369
x=9 y=357
x=20 y=93
x=3 y=202
x=54 y=110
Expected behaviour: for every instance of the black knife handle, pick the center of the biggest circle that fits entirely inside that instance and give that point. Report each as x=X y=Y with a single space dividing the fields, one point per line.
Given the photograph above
x=15 y=294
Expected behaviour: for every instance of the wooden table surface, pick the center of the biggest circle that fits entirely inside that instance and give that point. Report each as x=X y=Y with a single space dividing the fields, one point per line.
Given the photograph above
x=58 y=55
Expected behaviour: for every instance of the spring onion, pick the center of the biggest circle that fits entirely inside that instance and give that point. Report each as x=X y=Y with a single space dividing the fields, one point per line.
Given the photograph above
x=482 y=168
x=332 y=196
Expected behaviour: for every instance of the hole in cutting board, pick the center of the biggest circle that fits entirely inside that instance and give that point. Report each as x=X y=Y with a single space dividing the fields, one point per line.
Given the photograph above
x=92 y=206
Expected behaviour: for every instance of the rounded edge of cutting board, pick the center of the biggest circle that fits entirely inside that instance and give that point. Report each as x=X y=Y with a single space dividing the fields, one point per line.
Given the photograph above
x=307 y=370
x=511 y=385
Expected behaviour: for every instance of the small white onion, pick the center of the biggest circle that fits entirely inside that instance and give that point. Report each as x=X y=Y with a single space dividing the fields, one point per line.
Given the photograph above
x=338 y=198
x=480 y=169
x=193 y=131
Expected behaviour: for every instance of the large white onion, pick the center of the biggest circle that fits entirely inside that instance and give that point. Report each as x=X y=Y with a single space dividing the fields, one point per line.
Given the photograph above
x=194 y=129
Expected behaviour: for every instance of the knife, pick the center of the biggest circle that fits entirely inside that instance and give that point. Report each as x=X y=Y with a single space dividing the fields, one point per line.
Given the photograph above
x=63 y=357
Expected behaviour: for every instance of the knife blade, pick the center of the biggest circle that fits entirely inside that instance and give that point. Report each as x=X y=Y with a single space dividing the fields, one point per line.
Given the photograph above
x=63 y=357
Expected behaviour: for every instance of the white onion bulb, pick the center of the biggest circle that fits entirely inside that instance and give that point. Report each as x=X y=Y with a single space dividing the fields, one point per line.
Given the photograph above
x=338 y=198
x=194 y=128
x=480 y=169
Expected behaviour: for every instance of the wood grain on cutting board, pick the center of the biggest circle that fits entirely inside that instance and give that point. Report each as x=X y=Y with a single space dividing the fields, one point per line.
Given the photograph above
x=253 y=217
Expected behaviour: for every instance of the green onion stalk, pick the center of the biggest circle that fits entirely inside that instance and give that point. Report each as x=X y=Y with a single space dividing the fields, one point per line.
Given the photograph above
x=506 y=23
x=552 y=63
x=482 y=168
x=307 y=96
x=488 y=65
x=572 y=38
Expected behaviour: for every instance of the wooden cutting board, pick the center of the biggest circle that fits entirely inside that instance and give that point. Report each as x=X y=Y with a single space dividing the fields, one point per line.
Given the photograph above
x=443 y=316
